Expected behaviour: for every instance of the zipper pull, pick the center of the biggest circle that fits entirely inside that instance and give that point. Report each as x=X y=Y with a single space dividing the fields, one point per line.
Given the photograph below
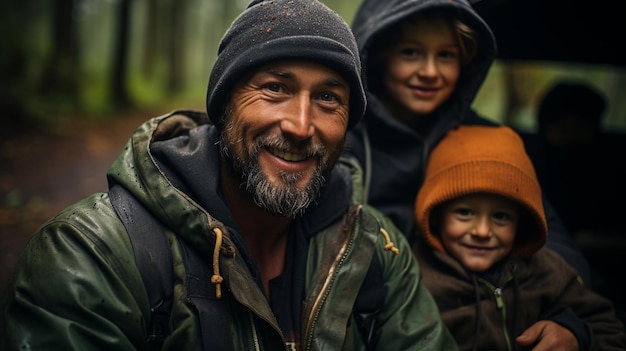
x=497 y=292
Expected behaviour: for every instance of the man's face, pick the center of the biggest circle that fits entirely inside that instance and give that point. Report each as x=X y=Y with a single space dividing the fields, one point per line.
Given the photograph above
x=284 y=130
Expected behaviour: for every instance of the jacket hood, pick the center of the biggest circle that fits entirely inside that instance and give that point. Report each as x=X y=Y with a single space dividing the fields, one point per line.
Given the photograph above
x=138 y=170
x=171 y=165
x=375 y=16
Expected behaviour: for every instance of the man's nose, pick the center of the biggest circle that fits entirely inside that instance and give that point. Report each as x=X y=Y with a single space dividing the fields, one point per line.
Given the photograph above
x=298 y=121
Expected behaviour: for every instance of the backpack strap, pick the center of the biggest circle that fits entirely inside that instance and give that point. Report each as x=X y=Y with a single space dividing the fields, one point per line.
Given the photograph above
x=153 y=258
x=213 y=311
x=368 y=303
x=154 y=261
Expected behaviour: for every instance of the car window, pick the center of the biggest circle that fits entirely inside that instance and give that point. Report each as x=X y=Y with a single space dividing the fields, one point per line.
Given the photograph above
x=513 y=90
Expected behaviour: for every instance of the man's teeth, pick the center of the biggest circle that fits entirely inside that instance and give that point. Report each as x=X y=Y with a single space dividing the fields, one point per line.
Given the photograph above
x=288 y=156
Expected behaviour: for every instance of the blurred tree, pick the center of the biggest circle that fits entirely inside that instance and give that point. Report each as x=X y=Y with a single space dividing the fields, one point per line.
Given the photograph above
x=176 y=45
x=119 y=87
x=148 y=62
x=39 y=56
x=59 y=78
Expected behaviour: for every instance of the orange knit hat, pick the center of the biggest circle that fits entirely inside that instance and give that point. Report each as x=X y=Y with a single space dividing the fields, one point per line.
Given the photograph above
x=483 y=159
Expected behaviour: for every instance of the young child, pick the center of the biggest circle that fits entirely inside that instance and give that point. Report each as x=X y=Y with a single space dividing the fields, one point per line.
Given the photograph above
x=482 y=232
x=423 y=63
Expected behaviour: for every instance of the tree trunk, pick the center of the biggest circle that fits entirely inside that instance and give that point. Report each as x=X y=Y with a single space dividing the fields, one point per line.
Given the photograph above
x=120 y=92
x=60 y=72
x=150 y=44
x=176 y=47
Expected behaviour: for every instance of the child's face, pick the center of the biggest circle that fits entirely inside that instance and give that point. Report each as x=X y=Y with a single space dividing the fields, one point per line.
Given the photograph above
x=479 y=229
x=422 y=69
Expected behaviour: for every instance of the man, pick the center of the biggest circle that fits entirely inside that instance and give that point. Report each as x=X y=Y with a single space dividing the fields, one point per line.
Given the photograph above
x=255 y=201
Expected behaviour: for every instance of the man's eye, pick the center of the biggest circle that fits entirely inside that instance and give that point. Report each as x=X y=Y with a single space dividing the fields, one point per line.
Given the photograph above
x=275 y=87
x=330 y=97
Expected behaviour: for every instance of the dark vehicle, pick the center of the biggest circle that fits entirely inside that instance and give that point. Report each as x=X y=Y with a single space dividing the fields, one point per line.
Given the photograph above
x=544 y=42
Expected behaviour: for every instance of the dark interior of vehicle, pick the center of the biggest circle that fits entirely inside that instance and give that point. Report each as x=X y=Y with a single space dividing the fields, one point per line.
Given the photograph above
x=579 y=32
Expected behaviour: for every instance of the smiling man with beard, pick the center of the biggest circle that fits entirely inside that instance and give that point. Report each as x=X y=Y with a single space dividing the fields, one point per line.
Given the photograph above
x=272 y=246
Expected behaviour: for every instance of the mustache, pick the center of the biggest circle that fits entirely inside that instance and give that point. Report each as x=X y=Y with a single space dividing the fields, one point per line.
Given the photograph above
x=278 y=144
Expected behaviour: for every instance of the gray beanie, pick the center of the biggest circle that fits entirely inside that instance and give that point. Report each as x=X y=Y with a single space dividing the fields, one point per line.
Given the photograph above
x=271 y=30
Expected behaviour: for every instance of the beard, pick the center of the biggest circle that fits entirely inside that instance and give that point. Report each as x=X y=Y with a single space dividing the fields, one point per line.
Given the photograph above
x=286 y=197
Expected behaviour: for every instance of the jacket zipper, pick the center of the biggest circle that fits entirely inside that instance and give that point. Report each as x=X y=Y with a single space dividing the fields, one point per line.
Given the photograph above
x=327 y=285
x=255 y=337
x=500 y=305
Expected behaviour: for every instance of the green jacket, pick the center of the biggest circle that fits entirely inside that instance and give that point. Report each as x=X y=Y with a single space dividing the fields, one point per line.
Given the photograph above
x=77 y=287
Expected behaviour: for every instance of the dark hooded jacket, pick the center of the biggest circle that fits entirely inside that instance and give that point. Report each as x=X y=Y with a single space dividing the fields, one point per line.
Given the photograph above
x=393 y=155
x=488 y=311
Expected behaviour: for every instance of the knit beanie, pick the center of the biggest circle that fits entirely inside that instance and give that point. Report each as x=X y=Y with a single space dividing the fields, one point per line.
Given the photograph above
x=483 y=159
x=271 y=30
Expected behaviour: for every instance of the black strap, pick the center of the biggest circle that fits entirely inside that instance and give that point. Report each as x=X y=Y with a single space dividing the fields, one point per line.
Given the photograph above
x=153 y=257
x=214 y=312
x=368 y=303
x=154 y=261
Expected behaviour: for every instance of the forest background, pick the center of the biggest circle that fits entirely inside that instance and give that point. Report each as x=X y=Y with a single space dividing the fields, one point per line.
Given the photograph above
x=91 y=58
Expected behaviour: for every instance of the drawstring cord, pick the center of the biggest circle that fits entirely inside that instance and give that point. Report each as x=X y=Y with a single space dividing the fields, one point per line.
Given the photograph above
x=216 y=278
x=389 y=246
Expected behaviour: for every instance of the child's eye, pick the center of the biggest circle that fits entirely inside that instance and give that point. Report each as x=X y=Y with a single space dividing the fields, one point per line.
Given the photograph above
x=409 y=52
x=463 y=212
x=448 y=54
x=502 y=216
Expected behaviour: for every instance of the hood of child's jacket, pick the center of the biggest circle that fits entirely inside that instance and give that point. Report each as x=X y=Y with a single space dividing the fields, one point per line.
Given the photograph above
x=375 y=16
